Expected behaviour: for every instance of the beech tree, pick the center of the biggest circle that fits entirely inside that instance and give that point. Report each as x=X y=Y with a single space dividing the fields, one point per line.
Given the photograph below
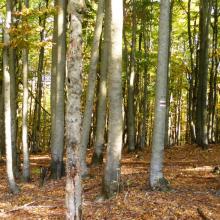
x=157 y=180
x=87 y=116
x=73 y=113
x=26 y=165
x=102 y=95
x=57 y=142
x=131 y=84
x=201 y=107
x=7 y=101
x=112 y=167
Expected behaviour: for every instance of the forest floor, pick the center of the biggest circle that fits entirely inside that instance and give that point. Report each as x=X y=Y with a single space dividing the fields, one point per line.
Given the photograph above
x=190 y=171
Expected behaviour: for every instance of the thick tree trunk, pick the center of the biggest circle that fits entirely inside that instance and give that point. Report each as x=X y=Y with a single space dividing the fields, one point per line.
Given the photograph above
x=156 y=173
x=112 y=168
x=58 y=138
x=131 y=84
x=201 y=110
x=87 y=116
x=73 y=114
x=7 y=102
x=101 y=110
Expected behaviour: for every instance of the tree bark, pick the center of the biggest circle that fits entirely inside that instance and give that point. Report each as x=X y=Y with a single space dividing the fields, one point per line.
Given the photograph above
x=73 y=114
x=7 y=102
x=2 y=134
x=112 y=168
x=101 y=110
x=201 y=110
x=26 y=165
x=131 y=84
x=58 y=141
x=87 y=116
x=213 y=76
x=191 y=77
x=156 y=173
x=53 y=79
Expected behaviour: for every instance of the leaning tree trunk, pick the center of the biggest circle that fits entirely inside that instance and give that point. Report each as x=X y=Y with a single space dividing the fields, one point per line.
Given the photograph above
x=26 y=164
x=156 y=173
x=112 y=168
x=201 y=108
x=87 y=116
x=101 y=110
x=7 y=101
x=73 y=114
x=57 y=144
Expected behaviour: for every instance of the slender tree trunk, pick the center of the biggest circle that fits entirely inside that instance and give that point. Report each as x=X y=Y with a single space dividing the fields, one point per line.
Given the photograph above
x=213 y=76
x=2 y=134
x=26 y=165
x=166 y=138
x=201 y=120
x=37 y=108
x=53 y=79
x=156 y=173
x=73 y=114
x=145 y=98
x=131 y=84
x=112 y=168
x=191 y=77
x=101 y=115
x=125 y=87
x=7 y=102
x=13 y=96
x=58 y=141
x=87 y=116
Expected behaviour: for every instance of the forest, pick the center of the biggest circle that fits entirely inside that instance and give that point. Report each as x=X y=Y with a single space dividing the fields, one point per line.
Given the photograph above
x=109 y=109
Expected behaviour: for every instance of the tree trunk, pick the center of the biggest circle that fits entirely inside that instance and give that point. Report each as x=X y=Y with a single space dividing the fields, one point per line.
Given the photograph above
x=87 y=116
x=201 y=120
x=112 y=168
x=53 y=79
x=131 y=84
x=101 y=110
x=191 y=77
x=166 y=137
x=156 y=173
x=73 y=114
x=13 y=96
x=58 y=138
x=2 y=134
x=213 y=76
x=147 y=44
x=7 y=102
x=26 y=165
x=37 y=109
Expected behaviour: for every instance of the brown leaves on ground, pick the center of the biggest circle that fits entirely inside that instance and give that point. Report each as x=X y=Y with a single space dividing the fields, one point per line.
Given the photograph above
x=192 y=172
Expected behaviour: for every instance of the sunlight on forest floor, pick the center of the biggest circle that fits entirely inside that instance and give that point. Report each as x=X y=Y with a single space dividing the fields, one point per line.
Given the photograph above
x=189 y=170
